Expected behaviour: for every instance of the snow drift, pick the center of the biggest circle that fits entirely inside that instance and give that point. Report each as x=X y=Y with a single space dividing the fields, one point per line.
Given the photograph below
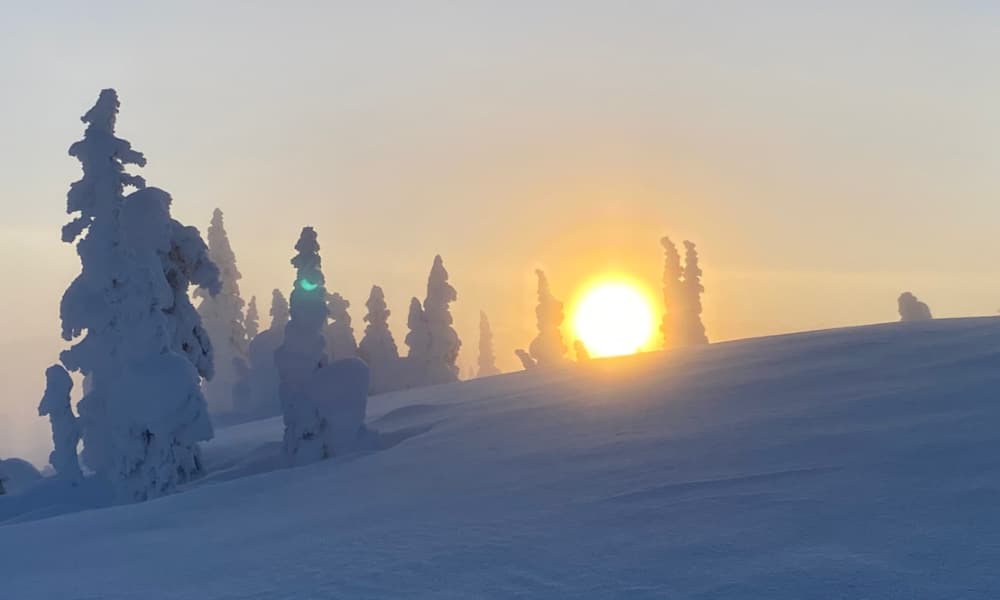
x=854 y=463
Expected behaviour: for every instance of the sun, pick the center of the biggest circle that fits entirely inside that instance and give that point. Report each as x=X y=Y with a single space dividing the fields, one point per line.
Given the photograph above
x=614 y=318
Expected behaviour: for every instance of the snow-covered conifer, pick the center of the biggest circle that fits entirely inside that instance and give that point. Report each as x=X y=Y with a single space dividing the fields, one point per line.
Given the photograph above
x=682 y=289
x=444 y=343
x=252 y=320
x=142 y=413
x=377 y=347
x=673 y=296
x=418 y=339
x=323 y=403
x=55 y=405
x=302 y=354
x=222 y=316
x=912 y=309
x=280 y=313
x=487 y=358
x=340 y=341
x=548 y=349
x=694 y=330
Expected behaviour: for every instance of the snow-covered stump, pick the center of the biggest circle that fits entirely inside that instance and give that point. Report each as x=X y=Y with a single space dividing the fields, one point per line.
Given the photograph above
x=55 y=405
x=912 y=309
x=339 y=394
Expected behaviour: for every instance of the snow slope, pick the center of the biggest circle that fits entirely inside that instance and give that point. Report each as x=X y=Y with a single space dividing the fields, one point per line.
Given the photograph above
x=854 y=463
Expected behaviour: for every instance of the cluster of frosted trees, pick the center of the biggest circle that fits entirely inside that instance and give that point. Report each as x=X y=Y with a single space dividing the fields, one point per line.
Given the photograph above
x=153 y=367
x=681 y=326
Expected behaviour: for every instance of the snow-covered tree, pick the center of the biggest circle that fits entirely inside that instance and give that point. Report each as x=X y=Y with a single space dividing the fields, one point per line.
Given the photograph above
x=418 y=340
x=252 y=320
x=487 y=359
x=673 y=274
x=302 y=354
x=377 y=347
x=222 y=315
x=340 y=341
x=912 y=309
x=682 y=289
x=55 y=405
x=444 y=343
x=548 y=349
x=280 y=313
x=257 y=392
x=694 y=330
x=323 y=402
x=143 y=348
x=582 y=354
x=526 y=361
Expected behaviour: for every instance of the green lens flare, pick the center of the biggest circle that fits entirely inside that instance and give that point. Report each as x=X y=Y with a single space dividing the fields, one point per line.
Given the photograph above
x=307 y=285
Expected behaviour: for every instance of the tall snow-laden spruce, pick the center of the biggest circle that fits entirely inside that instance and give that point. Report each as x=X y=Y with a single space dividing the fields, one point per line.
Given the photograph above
x=673 y=315
x=548 y=348
x=302 y=353
x=682 y=289
x=487 y=359
x=55 y=405
x=252 y=320
x=339 y=334
x=323 y=402
x=142 y=350
x=443 y=346
x=222 y=315
x=377 y=347
x=694 y=329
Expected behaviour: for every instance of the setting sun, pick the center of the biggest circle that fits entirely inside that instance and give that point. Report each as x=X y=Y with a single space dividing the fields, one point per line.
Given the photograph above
x=614 y=318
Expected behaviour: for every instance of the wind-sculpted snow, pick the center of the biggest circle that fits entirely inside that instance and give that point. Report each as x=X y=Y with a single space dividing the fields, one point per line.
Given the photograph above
x=853 y=463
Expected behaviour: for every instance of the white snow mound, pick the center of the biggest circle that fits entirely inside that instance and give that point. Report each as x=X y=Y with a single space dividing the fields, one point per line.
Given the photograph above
x=853 y=463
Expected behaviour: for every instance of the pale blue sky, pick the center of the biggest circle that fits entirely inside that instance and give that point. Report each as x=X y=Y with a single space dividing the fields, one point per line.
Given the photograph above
x=824 y=155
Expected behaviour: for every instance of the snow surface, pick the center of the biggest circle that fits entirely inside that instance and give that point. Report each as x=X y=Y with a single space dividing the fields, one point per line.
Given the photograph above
x=853 y=463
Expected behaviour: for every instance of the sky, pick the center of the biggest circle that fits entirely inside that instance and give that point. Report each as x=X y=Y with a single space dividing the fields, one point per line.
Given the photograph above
x=824 y=156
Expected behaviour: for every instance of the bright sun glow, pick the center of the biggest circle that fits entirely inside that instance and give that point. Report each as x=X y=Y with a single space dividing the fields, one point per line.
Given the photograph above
x=614 y=318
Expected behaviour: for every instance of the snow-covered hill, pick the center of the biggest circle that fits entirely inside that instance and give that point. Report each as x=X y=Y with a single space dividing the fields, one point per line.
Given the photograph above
x=854 y=463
